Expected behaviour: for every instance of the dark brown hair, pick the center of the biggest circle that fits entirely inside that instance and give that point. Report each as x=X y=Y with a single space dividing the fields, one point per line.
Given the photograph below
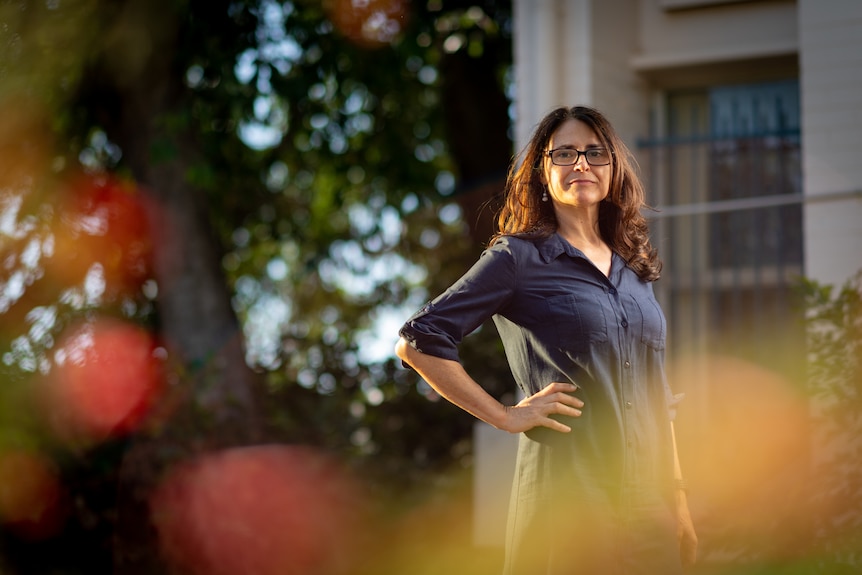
x=621 y=223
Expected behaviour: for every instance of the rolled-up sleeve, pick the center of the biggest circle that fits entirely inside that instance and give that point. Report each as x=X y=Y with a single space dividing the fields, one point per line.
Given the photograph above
x=439 y=327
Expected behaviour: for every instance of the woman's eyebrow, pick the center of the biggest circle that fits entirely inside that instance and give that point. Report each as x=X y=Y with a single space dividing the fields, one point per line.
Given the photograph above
x=573 y=147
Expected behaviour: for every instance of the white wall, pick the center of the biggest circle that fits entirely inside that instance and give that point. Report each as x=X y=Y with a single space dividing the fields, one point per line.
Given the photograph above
x=493 y=471
x=718 y=33
x=831 y=91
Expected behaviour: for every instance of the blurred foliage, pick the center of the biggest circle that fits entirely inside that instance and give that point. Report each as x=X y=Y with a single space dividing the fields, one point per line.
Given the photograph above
x=813 y=523
x=805 y=515
x=324 y=157
x=834 y=321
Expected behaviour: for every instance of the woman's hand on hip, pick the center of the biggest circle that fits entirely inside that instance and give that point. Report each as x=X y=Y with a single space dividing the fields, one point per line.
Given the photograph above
x=536 y=410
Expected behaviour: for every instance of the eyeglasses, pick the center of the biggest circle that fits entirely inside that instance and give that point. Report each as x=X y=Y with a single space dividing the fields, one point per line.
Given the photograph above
x=570 y=156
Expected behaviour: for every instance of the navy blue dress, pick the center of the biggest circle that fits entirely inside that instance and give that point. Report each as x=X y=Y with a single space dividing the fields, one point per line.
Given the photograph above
x=600 y=498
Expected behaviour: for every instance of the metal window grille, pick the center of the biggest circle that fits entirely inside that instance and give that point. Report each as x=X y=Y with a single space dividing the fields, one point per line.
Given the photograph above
x=725 y=177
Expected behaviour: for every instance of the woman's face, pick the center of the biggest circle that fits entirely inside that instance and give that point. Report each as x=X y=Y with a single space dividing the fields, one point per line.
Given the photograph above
x=580 y=184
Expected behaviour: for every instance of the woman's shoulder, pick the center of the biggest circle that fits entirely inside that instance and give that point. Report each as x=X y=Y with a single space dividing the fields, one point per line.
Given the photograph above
x=518 y=250
x=520 y=242
x=531 y=248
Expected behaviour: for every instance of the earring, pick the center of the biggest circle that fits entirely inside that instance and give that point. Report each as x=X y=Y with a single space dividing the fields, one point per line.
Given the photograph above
x=545 y=195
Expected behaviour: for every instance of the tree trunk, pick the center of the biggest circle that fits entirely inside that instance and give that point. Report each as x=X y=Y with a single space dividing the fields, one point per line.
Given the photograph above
x=213 y=387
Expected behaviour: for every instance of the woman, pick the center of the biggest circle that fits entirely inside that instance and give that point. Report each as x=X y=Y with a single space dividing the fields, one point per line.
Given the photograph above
x=567 y=280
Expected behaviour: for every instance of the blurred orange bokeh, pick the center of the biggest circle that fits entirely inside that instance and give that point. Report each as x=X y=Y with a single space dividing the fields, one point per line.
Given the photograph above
x=31 y=496
x=748 y=457
x=368 y=23
x=25 y=141
x=103 y=221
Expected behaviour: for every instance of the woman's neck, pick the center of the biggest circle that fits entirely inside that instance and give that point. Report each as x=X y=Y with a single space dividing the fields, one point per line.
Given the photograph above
x=580 y=228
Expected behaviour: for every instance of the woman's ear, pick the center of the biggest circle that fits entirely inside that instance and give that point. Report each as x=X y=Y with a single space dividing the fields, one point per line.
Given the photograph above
x=541 y=167
x=542 y=177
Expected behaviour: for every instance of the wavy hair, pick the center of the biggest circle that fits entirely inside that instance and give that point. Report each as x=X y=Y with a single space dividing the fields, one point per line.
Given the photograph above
x=621 y=224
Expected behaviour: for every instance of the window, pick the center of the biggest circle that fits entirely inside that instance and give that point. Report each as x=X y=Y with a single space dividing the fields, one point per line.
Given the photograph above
x=725 y=172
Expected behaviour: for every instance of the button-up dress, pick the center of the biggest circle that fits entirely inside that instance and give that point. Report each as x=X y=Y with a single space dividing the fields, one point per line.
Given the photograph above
x=600 y=498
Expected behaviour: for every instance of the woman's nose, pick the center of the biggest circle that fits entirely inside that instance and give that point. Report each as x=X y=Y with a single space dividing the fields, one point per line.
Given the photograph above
x=581 y=163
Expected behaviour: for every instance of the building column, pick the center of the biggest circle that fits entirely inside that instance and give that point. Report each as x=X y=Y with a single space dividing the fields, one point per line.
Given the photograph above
x=553 y=59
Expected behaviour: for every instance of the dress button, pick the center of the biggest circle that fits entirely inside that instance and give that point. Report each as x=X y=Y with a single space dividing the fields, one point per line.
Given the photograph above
x=628 y=364
x=624 y=323
x=612 y=291
x=628 y=405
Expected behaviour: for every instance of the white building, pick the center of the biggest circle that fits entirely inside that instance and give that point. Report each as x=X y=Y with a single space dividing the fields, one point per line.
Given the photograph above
x=746 y=119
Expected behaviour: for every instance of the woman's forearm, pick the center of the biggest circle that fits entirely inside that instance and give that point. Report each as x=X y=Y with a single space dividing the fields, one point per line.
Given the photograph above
x=452 y=382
